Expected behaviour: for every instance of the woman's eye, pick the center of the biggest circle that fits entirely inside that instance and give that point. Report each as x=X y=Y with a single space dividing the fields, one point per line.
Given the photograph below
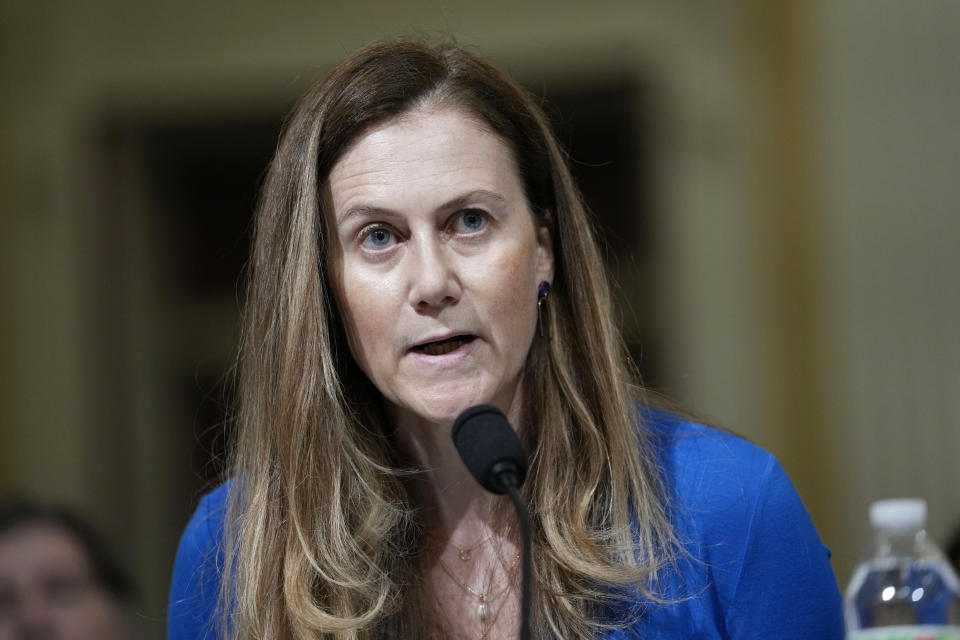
x=378 y=238
x=470 y=220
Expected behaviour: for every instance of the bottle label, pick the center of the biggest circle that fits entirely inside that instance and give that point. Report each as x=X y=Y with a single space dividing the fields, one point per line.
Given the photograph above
x=924 y=632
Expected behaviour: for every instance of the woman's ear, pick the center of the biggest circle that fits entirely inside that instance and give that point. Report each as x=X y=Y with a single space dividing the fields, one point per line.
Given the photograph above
x=544 y=254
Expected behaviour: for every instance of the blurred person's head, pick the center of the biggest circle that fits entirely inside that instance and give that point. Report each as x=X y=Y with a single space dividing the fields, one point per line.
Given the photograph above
x=57 y=580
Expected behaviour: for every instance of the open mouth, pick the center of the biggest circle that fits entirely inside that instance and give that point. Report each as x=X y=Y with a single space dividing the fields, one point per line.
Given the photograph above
x=441 y=347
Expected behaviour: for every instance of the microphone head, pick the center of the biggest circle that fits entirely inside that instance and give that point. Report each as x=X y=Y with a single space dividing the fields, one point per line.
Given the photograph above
x=489 y=447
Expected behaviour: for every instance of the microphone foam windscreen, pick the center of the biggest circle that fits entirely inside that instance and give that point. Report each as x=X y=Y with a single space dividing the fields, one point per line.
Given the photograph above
x=484 y=438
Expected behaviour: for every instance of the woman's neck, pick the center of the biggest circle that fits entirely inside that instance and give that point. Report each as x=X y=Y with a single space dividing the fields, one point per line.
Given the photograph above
x=457 y=507
x=454 y=503
x=470 y=569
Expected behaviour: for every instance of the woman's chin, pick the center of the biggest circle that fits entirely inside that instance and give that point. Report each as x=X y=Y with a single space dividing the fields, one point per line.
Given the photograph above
x=447 y=412
x=440 y=411
x=442 y=406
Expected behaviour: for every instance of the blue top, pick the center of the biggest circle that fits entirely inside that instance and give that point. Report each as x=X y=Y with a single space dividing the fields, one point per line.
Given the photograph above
x=756 y=568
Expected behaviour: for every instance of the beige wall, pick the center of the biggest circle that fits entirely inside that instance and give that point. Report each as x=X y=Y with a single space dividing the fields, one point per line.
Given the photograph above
x=888 y=108
x=805 y=264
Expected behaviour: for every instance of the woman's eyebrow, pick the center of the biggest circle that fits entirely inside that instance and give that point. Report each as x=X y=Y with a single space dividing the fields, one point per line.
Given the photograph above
x=471 y=197
x=474 y=196
x=365 y=210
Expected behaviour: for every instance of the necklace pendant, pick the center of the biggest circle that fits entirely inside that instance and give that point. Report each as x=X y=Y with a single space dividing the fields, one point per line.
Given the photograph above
x=482 y=612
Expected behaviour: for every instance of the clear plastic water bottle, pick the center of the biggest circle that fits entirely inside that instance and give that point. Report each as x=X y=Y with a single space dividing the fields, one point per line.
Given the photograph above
x=903 y=588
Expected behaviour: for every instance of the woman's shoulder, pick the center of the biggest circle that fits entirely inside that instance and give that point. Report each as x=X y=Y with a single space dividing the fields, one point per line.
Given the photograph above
x=746 y=534
x=195 y=585
x=207 y=518
x=695 y=458
x=718 y=484
x=205 y=528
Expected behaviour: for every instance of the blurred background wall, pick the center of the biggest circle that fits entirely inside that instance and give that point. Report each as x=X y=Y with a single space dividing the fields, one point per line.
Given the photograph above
x=782 y=222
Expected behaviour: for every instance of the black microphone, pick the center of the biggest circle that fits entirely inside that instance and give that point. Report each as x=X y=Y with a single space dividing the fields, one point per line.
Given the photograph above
x=490 y=448
x=491 y=451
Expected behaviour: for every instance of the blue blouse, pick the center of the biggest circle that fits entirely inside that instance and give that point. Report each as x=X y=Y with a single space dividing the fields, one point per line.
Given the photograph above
x=755 y=568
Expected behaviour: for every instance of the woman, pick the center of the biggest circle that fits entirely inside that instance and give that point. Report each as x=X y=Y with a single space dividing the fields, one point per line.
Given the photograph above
x=421 y=248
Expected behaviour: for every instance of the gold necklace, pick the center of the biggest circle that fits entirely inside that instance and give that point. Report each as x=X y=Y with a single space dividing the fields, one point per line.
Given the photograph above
x=484 y=597
x=464 y=552
x=489 y=628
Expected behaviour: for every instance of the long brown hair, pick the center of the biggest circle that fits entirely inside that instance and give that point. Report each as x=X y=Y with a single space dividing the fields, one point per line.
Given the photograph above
x=323 y=534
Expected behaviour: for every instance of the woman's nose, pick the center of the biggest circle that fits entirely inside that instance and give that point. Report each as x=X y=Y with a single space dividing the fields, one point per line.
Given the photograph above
x=434 y=279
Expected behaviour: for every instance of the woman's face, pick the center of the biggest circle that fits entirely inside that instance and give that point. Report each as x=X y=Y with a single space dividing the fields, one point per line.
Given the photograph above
x=435 y=264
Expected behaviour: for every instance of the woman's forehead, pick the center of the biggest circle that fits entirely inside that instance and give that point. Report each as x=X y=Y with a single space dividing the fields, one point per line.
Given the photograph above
x=430 y=152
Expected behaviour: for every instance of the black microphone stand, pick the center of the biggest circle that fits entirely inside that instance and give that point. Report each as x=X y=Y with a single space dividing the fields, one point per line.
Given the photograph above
x=493 y=454
x=507 y=479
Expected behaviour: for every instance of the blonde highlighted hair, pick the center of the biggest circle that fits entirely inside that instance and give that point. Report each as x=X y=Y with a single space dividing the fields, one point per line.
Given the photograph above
x=322 y=537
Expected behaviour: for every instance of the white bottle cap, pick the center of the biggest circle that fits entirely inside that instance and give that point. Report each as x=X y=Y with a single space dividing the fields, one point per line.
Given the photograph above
x=899 y=513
